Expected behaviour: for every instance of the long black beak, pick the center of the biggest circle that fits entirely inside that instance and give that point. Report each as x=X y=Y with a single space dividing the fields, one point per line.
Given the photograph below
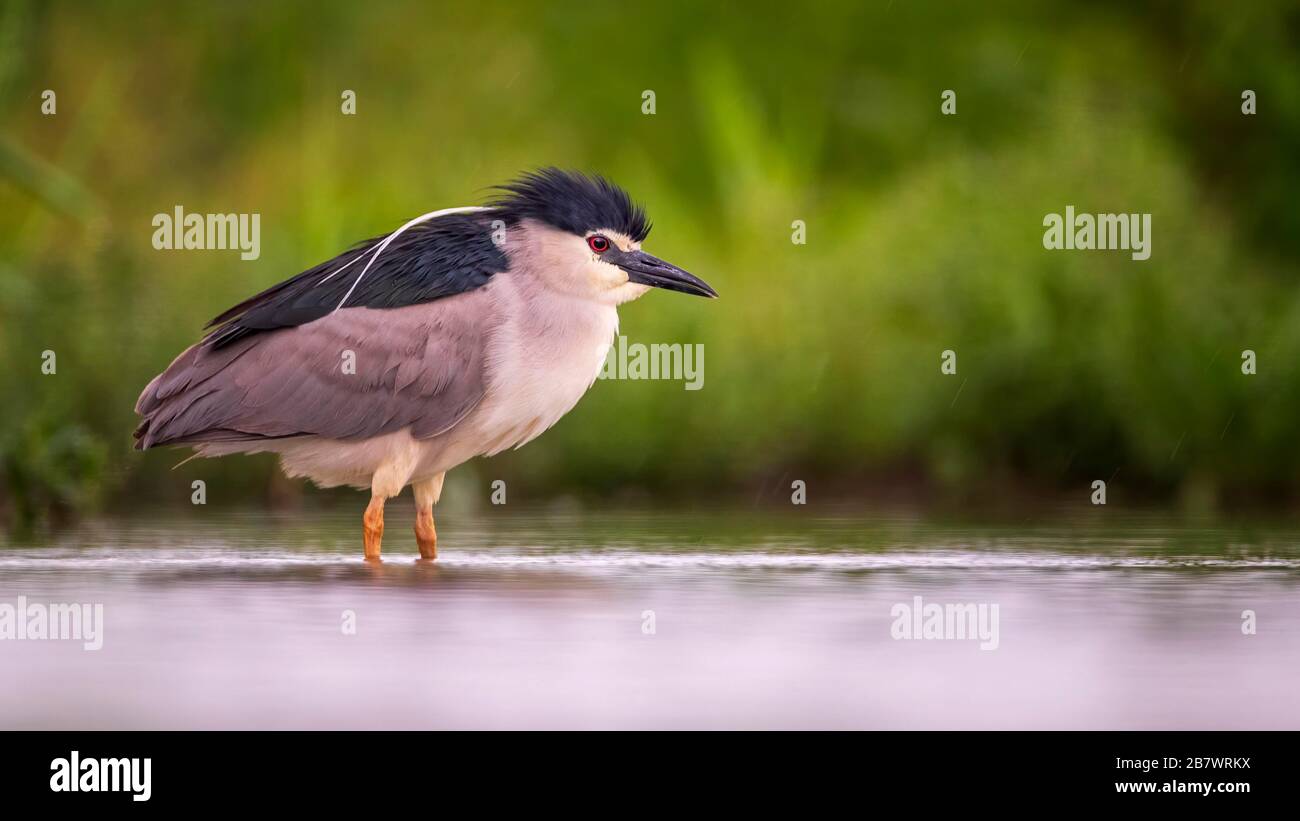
x=647 y=270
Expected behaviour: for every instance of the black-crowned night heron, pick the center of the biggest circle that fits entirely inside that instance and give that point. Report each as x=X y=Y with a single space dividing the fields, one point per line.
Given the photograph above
x=462 y=333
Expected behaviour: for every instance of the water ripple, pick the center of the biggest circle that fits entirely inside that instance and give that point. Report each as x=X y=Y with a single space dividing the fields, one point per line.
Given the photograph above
x=615 y=560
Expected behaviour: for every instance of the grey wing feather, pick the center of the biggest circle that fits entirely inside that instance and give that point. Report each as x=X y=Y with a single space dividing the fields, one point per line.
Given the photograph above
x=419 y=367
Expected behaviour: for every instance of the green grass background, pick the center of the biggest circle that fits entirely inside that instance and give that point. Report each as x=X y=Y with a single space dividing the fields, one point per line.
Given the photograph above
x=924 y=232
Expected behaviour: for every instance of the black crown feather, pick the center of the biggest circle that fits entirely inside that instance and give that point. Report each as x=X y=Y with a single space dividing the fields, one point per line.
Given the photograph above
x=571 y=201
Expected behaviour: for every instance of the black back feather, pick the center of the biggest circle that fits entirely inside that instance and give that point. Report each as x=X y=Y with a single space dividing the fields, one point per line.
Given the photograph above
x=445 y=256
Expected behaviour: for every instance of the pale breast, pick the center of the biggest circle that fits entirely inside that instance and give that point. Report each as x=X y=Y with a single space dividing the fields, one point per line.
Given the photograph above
x=545 y=352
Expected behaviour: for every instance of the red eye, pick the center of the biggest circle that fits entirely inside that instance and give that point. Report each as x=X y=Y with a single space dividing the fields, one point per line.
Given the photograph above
x=598 y=243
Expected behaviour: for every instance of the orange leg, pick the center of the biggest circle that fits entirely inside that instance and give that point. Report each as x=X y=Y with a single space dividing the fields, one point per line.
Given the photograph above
x=425 y=536
x=426 y=495
x=373 y=527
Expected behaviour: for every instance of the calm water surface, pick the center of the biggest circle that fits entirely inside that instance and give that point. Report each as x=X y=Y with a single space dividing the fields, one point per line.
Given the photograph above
x=537 y=620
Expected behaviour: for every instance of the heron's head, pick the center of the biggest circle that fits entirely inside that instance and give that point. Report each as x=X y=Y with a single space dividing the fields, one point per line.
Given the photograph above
x=583 y=235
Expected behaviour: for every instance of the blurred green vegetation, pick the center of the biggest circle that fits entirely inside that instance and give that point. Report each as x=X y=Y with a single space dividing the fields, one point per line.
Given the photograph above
x=924 y=232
